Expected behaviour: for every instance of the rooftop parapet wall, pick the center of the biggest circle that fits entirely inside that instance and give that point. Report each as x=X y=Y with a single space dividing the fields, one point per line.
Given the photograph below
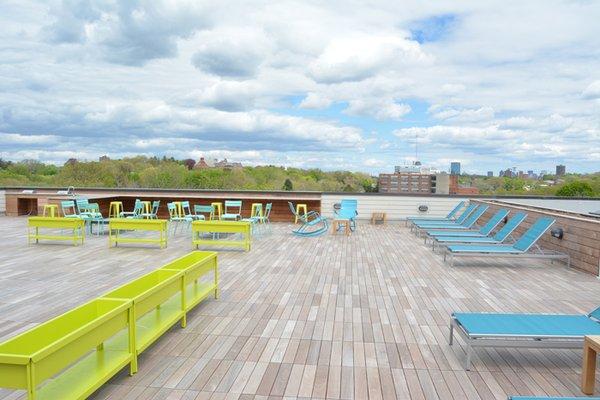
x=581 y=237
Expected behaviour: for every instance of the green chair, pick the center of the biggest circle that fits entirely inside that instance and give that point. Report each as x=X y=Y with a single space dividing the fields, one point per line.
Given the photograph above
x=175 y=219
x=138 y=208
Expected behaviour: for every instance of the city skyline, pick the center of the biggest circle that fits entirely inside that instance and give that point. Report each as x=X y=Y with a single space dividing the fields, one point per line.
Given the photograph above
x=360 y=88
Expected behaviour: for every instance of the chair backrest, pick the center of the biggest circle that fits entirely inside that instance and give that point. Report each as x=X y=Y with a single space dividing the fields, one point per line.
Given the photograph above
x=138 y=207
x=301 y=217
x=198 y=209
x=268 y=210
x=82 y=204
x=155 y=206
x=465 y=214
x=469 y=222
x=510 y=226
x=233 y=204
x=493 y=222
x=68 y=207
x=455 y=210
x=185 y=207
x=172 y=208
x=532 y=234
x=348 y=208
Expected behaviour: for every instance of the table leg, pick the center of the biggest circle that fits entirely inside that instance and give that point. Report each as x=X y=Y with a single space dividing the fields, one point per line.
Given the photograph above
x=588 y=373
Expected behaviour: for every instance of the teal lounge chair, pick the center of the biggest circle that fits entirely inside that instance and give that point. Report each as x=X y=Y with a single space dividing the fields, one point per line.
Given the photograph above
x=233 y=210
x=498 y=238
x=564 y=331
x=468 y=223
x=485 y=230
x=448 y=217
x=521 y=248
x=348 y=210
x=313 y=224
x=461 y=218
x=551 y=398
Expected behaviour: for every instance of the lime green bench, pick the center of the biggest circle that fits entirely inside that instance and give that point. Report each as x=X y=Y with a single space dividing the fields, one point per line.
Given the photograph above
x=65 y=358
x=115 y=225
x=75 y=227
x=216 y=227
x=194 y=266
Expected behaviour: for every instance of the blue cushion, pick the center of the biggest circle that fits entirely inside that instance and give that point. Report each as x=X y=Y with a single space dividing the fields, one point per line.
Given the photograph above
x=527 y=324
x=474 y=248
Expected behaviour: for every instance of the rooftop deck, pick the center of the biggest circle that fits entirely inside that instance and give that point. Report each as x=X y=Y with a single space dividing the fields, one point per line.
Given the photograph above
x=362 y=317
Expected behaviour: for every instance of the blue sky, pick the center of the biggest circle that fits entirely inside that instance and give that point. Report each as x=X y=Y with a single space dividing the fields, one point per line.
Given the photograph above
x=491 y=84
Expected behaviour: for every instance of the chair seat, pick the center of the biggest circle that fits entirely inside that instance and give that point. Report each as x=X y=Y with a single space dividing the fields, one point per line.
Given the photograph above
x=504 y=249
x=230 y=216
x=544 y=325
x=456 y=233
x=463 y=239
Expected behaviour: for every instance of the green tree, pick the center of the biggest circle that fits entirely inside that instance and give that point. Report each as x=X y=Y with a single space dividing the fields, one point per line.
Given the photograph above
x=287 y=185
x=576 y=189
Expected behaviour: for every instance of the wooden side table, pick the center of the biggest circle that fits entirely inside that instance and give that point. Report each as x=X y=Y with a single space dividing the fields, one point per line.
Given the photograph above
x=377 y=217
x=591 y=347
x=338 y=223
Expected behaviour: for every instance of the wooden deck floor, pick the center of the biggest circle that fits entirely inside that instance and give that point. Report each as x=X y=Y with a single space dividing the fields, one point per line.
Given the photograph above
x=360 y=317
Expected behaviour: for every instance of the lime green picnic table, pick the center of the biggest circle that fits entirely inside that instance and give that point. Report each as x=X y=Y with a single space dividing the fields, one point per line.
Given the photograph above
x=75 y=228
x=200 y=229
x=115 y=225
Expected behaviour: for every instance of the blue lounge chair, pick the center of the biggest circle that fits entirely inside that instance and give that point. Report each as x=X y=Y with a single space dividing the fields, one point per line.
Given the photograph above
x=564 y=331
x=313 y=224
x=465 y=225
x=484 y=231
x=519 y=249
x=448 y=217
x=498 y=238
x=349 y=211
x=461 y=218
x=551 y=398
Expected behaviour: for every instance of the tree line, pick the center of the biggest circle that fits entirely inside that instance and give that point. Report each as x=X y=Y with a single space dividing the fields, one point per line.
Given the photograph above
x=154 y=172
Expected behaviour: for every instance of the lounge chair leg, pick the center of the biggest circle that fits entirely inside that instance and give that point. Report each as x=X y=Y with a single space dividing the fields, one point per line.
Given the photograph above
x=468 y=361
x=451 y=339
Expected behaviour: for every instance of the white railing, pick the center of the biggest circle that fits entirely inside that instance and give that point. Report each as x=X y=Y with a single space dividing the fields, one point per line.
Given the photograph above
x=396 y=207
x=2 y=202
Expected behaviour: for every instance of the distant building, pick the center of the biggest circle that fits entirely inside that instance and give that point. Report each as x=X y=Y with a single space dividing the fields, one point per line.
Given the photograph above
x=561 y=170
x=104 y=158
x=202 y=163
x=530 y=173
x=71 y=161
x=501 y=173
x=521 y=174
x=455 y=168
x=455 y=187
x=490 y=174
x=508 y=173
x=406 y=182
x=227 y=164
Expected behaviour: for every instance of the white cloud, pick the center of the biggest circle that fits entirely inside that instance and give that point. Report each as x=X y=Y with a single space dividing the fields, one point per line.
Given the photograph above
x=592 y=91
x=378 y=108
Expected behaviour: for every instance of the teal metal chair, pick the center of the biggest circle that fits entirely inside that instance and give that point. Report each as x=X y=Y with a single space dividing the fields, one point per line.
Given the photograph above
x=348 y=210
x=200 y=210
x=138 y=208
x=68 y=209
x=498 y=238
x=523 y=330
x=153 y=214
x=177 y=220
x=313 y=224
x=232 y=210
x=521 y=248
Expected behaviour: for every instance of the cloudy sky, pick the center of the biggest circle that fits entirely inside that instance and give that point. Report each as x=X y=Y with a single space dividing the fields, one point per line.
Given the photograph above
x=349 y=85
